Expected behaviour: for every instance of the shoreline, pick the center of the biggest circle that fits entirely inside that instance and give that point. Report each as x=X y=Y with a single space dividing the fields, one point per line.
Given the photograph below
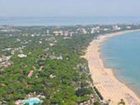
x=104 y=78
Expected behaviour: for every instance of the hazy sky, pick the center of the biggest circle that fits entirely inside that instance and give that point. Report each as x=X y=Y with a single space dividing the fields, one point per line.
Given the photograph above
x=51 y=8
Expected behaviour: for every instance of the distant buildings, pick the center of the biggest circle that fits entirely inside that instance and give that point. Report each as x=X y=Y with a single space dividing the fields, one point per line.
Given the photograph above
x=57 y=33
x=5 y=61
x=22 y=55
x=116 y=28
x=82 y=31
x=30 y=74
x=128 y=27
x=56 y=57
x=95 y=29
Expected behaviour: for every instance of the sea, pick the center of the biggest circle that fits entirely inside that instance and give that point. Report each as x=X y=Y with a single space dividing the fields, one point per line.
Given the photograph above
x=66 y=21
x=122 y=54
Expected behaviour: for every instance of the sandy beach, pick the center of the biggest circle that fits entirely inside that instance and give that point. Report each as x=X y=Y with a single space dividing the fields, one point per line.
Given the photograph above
x=104 y=79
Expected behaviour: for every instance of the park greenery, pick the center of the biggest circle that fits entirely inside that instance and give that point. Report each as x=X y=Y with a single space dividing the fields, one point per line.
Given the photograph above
x=59 y=72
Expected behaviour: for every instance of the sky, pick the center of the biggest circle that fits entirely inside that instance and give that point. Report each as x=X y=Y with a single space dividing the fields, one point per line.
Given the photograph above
x=69 y=8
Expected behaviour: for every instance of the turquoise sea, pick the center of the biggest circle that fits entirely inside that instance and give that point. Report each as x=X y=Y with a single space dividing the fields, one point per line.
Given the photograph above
x=122 y=53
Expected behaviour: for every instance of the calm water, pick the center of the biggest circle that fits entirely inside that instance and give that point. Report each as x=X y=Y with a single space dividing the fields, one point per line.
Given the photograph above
x=47 y=21
x=123 y=54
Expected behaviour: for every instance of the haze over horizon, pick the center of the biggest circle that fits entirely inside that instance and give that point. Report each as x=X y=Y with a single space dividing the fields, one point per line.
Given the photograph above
x=69 y=8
